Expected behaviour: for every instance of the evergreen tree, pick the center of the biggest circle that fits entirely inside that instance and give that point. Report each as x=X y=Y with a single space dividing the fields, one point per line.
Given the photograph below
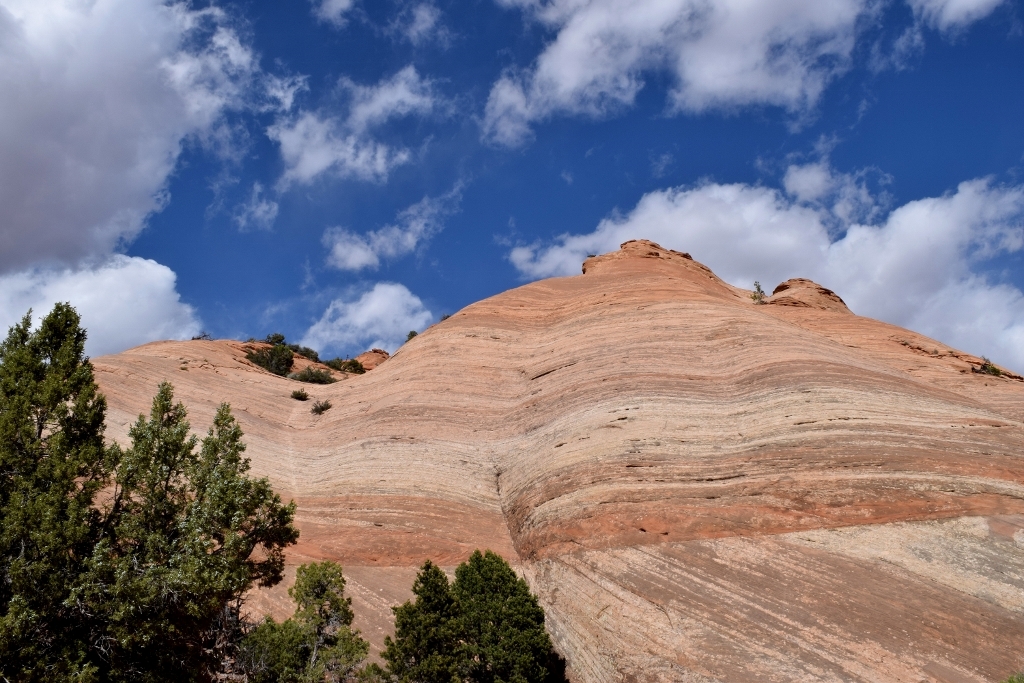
x=119 y=565
x=486 y=627
x=177 y=546
x=317 y=644
x=502 y=623
x=426 y=647
x=52 y=465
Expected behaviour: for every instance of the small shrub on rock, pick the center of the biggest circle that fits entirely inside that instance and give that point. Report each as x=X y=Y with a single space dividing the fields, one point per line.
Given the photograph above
x=314 y=376
x=305 y=352
x=758 y=296
x=320 y=407
x=300 y=395
x=988 y=368
x=346 y=365
x=278 y=359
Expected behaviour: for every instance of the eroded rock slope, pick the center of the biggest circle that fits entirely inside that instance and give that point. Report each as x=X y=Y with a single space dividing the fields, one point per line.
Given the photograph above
x=700 y=488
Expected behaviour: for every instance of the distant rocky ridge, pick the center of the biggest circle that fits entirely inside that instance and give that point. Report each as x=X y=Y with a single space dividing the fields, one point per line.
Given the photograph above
x=699 y=488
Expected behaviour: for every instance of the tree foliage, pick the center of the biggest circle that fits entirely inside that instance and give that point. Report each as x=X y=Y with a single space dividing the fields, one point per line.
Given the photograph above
x=485 y=627
x=52 y=465
x=346 y=365
x=178 y=544
x=277 y=359
x=314 y=376
x=426 y=647
x=119 y=564
x=317 y=643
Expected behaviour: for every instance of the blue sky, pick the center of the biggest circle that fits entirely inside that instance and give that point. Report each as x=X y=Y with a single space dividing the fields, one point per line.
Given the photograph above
x=343 y=171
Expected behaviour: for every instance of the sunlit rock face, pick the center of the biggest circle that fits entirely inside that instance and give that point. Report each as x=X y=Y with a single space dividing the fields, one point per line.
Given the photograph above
x=699 y=487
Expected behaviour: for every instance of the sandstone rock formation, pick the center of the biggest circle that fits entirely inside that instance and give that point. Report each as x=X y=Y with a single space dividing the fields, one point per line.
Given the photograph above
x=698 y=487
x=372 y=358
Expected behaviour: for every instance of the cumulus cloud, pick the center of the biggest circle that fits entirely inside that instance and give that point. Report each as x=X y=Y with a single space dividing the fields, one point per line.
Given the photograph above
x=315 y=143
x=380 y=317
x=916 y=266
x=259 y=213
x=421 y=24
x=414 y=225
x=332 y=11
x=403 y=94
x=952 y=15
x=97 y=100
x=124 y=301
x=722 y=54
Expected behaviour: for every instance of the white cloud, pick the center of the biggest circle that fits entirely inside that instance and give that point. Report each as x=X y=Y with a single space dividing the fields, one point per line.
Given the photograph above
x=916 y=267
x=414 y=225
x=259 y=213
x=313 y=144
x=97 y=100
x=421 y=24
x=123 y=302
x=282 y=90
x=845 y=195
x=722 y=53
x=381 y=317
x=403 y=94
x=332 y=11
x=952 y=15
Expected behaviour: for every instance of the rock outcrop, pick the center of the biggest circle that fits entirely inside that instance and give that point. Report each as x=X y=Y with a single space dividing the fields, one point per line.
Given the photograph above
x=698 y=487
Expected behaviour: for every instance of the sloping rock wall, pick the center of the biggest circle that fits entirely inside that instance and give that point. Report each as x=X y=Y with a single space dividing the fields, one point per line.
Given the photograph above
x=699 y=487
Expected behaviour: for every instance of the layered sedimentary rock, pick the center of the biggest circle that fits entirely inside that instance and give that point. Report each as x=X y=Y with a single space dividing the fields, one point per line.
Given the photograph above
x=698 y=487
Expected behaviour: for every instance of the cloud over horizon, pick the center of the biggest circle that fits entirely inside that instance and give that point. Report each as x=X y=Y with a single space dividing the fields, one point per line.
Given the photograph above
x=100 y=99
x=123 y=302
x=380 y=317
x=916 y=266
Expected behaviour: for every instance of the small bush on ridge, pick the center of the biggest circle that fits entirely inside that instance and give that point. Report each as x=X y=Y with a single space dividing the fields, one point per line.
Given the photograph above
x=305 y=352
x=758 y=296
x=313 y=376
x=300 y=395
x=346 y=365
x=278 y=359
x=987 y=368
x=320 y=407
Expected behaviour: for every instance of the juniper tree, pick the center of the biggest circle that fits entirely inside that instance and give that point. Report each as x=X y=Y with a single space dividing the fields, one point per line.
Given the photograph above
x=52 y=465
x=502 y=623
x=426 y=647
x=485 y=627
x=316 y=644
x=119 y=564
x=185 y=534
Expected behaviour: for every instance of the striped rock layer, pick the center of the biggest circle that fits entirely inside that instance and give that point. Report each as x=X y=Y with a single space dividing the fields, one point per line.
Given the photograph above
x=698 y=487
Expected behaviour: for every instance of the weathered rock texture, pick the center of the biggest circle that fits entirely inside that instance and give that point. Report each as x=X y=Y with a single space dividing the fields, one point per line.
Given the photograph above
x=699 y=488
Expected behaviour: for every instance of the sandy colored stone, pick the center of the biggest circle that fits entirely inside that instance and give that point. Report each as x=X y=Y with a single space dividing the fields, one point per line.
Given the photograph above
x=372 y=358
x=699 y=487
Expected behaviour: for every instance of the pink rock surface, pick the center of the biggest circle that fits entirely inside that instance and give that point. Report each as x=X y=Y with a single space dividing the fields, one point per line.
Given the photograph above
x=698 y=487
